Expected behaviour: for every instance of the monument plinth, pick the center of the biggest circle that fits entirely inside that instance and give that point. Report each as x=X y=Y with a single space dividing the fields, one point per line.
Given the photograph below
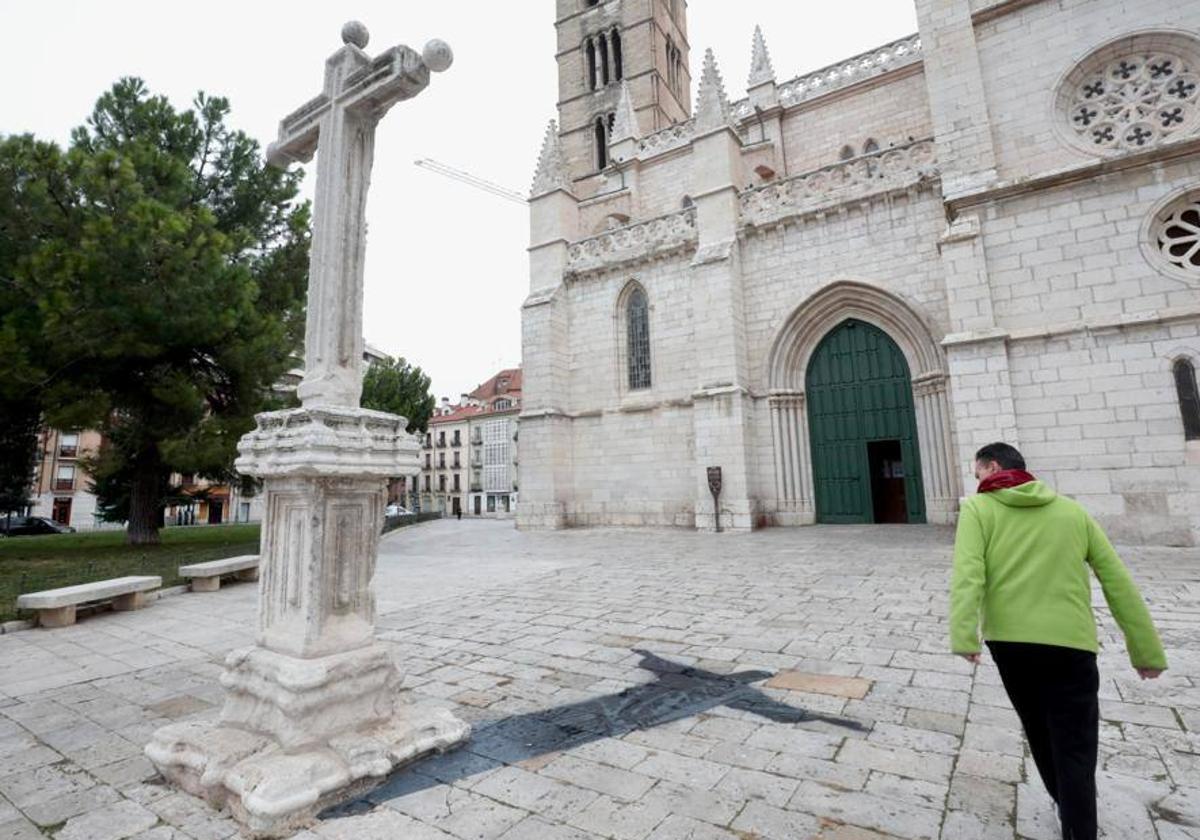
x=313 y=712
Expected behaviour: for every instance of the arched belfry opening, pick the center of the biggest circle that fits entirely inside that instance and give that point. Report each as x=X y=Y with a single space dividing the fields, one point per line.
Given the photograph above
x=859 y=412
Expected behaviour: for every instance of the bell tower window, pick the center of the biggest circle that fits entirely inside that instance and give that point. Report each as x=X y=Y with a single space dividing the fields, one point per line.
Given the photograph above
x=590 y=57
x=602 y=47
x=618 y=61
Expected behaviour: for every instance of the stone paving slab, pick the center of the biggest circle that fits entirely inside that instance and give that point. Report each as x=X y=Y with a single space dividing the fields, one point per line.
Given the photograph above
x=789 y=684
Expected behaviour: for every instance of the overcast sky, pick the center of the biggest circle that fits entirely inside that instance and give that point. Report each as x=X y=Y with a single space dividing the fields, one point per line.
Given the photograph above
x=446 y=267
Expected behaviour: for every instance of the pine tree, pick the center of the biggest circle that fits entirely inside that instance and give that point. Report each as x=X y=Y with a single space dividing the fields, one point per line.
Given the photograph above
x=167 y=266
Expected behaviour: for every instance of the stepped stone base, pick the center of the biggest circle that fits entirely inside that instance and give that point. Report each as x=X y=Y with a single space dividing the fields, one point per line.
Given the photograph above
x=297 y=736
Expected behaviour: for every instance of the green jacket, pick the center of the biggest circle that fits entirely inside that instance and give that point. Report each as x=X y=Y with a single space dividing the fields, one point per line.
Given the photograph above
x=1022 y=556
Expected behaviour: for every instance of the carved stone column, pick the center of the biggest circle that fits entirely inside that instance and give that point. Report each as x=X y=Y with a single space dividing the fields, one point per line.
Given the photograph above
x=936 y=447
x=793 y=464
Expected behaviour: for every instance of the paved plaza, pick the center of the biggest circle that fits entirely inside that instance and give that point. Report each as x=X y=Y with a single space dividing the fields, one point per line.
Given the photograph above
x=633 y=685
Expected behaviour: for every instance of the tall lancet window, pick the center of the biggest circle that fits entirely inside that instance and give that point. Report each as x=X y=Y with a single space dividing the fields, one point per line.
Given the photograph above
x=601 y=132
x=590 y=50
x=1189 y=397
x=618 y=61
x=637 y=314
x=602 y=48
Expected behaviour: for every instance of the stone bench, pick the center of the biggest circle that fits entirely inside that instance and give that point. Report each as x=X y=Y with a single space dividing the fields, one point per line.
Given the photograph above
x=56 y=607
x=206 y=577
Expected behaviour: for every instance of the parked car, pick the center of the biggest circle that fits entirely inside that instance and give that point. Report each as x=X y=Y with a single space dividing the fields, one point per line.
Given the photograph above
x=395 y=510
x=31 y=526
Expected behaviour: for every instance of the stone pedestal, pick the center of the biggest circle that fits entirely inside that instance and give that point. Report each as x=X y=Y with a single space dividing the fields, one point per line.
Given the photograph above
x=313 y=714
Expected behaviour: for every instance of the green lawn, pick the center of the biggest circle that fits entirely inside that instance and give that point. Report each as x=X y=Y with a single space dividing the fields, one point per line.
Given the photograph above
x=30 y=564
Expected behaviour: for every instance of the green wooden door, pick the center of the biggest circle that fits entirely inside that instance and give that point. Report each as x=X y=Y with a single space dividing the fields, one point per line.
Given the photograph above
x=859 y=392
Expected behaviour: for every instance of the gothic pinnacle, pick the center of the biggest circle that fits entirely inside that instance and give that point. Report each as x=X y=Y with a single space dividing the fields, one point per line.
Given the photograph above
x=625 y=126
x=761 y=70
x=551 y=171
x=712 y=106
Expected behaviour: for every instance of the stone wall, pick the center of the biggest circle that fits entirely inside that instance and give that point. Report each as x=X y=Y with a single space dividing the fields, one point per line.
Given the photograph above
x=1024 y=54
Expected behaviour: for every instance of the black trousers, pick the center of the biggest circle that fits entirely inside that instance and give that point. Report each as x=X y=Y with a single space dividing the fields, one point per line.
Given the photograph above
x=1054 y=691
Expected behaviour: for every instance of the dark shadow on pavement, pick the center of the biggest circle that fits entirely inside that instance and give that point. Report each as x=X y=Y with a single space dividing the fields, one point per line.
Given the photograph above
x=679 y=691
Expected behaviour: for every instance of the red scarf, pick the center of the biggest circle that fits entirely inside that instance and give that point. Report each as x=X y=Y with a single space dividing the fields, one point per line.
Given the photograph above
x=1004 y=479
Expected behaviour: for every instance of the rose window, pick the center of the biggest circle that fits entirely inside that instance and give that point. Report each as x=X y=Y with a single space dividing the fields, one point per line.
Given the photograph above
x=1133 y=94
x=1177 y=235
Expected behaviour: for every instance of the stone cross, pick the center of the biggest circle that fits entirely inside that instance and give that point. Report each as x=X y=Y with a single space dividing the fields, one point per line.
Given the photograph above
x=313 y=713
x=341 y=121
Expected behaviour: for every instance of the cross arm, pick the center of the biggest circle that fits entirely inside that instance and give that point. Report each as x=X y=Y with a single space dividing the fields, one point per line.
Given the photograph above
x=298 y=133
x=392 y=76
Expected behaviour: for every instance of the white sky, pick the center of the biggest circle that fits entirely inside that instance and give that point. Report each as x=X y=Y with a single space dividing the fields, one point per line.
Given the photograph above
x=446 y=267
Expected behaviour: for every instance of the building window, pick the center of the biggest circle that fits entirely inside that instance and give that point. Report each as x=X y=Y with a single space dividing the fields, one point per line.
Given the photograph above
x=426 y=484
x=1176 y=232
x=637 y=315
x=428 y=461
x=68 y=445
x=503 y=405
x=601 y=134
x=602 y=48
x=618 y=70
x=589 y=50
x=1189 y=397
x=441 y=484
x=457 y=438
x=456 y=484
x=1133 y=93
x=64 y=479
x=457 y=462
x=847 y=152
x=441 y=460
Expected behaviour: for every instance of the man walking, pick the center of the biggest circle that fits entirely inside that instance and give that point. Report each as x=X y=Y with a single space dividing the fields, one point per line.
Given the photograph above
x=1021 y=558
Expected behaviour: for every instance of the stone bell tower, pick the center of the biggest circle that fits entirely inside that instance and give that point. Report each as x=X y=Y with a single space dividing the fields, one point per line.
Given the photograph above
x=602 y=43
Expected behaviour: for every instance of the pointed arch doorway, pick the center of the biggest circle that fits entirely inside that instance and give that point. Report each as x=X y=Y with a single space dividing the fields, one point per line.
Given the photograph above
x=863 y=429
x=897 y=341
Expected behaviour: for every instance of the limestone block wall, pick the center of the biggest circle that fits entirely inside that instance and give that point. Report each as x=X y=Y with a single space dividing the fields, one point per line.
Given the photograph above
x=634 y=468
x=889 y=243
x=663 y=182
x=1023 y=55
x=890 y=109
x=1073 y=253
x=1099 y=420
x=597 y=370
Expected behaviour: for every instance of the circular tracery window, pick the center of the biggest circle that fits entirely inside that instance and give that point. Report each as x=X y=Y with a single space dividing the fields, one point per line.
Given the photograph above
x=1134 y=93
x=1177 y=231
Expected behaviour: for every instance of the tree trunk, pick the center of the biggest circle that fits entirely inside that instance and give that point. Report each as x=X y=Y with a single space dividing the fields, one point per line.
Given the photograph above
x=145 y=502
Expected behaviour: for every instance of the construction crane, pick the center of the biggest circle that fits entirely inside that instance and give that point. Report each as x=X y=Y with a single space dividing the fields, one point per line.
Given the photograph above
x=472 y=180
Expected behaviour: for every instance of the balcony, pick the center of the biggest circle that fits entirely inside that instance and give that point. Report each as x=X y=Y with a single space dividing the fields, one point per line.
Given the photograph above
x=476 y=487
x=64 y=485
x=68 y=452
x=456 y=442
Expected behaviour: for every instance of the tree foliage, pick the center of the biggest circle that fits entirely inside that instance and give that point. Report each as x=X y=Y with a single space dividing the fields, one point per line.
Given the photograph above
x=397 y=387
x=166 y=265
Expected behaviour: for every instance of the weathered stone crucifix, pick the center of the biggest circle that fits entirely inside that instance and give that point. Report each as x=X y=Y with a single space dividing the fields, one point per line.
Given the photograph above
x=358 y=91
x=313 y=713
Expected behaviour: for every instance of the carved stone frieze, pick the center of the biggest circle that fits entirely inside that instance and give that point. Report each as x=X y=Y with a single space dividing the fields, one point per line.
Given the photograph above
x=888 y=170
x=670 y=138
x=634 y=242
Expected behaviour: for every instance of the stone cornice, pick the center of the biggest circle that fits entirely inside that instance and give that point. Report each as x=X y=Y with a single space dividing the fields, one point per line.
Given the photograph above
x=1002 y=190
x=1154 y=317
x=999 y=9
x=327 y=442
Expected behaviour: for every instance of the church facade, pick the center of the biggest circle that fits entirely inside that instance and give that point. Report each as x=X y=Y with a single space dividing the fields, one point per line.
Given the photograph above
x=838 y=287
